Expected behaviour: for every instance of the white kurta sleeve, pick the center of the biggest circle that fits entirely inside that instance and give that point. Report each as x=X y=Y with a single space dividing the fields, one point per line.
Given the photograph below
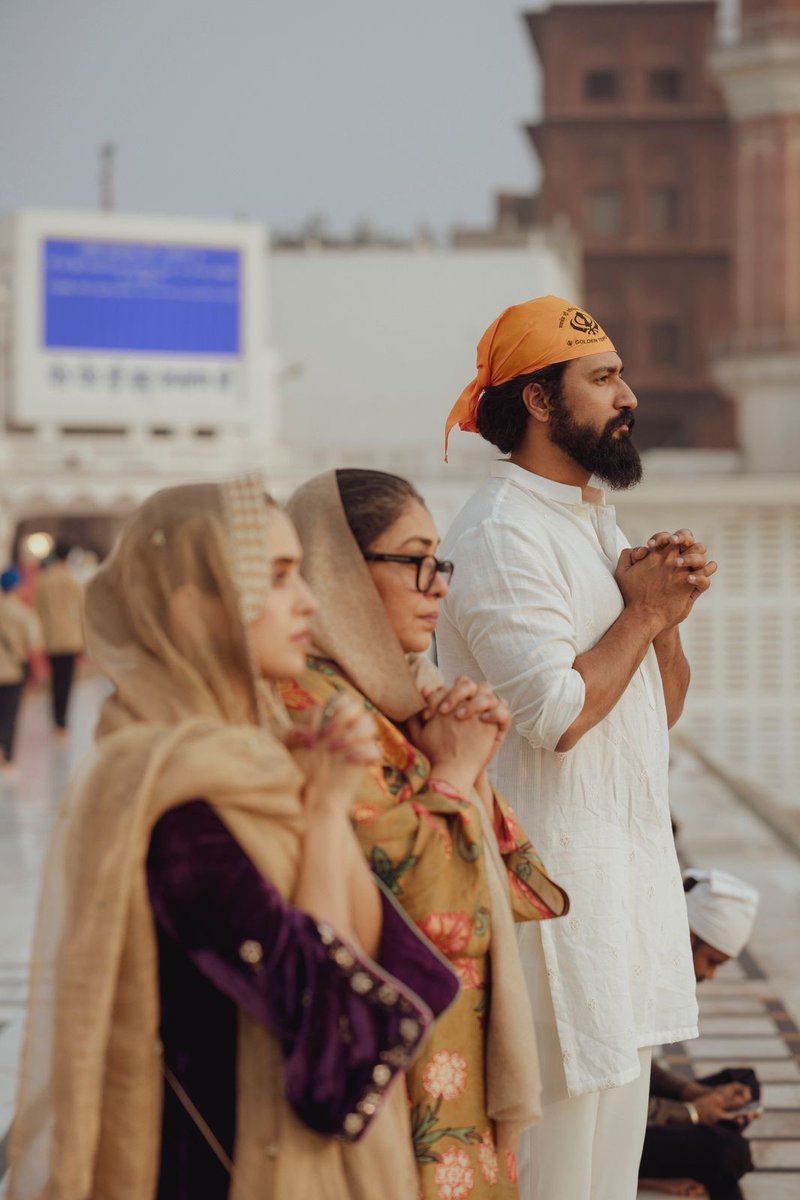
x=511 y=605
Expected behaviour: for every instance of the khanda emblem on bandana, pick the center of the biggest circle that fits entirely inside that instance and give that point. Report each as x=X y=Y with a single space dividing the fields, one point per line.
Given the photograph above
x=583 y=323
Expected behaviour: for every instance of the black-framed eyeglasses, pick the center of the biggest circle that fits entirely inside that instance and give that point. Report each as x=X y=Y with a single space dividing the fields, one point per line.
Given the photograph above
x=428 y=567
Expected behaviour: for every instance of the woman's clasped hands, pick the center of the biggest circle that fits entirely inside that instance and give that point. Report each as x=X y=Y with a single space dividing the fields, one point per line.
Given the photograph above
x=333 y=750
x=460 y=731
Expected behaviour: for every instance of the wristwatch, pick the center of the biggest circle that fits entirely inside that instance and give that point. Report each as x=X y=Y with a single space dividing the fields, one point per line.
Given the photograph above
x=694 y=1115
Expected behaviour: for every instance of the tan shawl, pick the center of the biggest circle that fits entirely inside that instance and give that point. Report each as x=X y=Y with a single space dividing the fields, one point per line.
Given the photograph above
x=353 y=631
x=184 y=723
x=351 y=627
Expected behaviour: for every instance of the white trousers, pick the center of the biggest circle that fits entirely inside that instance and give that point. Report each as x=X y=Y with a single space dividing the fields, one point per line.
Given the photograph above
x=585 y=1147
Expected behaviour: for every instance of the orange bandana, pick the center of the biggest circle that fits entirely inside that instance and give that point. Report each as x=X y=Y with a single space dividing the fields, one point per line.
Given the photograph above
x=523 y=339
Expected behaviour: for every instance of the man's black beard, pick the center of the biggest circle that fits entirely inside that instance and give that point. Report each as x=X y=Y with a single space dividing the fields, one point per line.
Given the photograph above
x=615 y=461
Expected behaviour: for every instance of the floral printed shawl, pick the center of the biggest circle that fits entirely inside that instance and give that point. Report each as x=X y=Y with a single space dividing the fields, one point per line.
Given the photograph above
x=429 y=846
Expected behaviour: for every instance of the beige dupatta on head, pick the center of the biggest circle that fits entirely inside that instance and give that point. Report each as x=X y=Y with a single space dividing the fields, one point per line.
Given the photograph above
x=166 y=622
x=353 y=631
x=351 y=627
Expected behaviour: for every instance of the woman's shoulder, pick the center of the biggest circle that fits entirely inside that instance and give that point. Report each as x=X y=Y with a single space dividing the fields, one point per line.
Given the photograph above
x=317 y=685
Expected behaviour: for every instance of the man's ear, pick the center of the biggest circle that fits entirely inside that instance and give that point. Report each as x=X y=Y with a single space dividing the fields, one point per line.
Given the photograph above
x=537 y=402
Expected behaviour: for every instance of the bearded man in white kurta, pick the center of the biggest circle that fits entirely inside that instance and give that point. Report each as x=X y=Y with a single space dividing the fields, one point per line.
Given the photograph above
x=579 y=633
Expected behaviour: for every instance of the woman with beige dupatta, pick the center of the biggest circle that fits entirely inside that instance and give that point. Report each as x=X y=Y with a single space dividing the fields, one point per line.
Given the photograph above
x=452 y=856
x=220 y=997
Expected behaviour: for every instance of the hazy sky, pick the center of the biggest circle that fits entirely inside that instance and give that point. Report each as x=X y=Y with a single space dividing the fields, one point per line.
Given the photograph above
x=401 y=112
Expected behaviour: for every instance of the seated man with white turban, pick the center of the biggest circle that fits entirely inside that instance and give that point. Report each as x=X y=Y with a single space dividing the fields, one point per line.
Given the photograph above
x=694 y=1145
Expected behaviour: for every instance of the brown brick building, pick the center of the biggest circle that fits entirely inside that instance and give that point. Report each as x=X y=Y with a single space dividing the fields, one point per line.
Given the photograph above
x=637 y=154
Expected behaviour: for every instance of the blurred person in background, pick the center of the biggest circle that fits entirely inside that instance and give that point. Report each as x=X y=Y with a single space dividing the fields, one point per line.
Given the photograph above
x=579 y=634
x=426 y=817
x=59 y=599
x=20 y=637
x=12 y=584
x=694 y=1144
x=221 y=997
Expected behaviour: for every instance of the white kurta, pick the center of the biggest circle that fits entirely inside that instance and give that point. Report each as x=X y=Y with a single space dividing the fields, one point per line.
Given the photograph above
x=533 y=588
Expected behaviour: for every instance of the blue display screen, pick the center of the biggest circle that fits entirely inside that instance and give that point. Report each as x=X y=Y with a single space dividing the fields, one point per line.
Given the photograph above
x=130 y=296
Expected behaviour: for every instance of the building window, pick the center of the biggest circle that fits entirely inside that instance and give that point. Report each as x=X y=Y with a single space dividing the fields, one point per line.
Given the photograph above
x=665 y=344
x=664 y=204
x=605 y=211
x=665 y=83
x=601 y=84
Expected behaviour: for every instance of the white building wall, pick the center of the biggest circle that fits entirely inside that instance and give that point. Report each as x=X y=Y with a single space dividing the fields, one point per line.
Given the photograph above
x=743 y=638
x=376 y=345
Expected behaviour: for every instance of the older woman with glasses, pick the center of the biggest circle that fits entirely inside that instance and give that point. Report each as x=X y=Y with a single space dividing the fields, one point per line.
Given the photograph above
x=428 y=821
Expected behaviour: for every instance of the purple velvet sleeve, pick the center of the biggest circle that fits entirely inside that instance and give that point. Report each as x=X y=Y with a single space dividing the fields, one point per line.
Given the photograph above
x=345 y=1024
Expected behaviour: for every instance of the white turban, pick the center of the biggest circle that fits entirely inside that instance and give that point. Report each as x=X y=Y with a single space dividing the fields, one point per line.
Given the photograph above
x=722 y=910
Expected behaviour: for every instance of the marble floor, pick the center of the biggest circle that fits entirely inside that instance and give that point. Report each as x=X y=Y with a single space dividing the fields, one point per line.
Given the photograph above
x=749 y=1014
x=28 y=803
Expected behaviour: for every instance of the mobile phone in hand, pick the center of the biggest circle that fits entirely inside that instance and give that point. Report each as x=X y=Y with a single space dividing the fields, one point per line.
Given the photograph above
x=754 y=1108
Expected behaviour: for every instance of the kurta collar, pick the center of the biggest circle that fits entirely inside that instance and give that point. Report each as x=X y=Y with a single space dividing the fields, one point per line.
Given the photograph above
x=562 y=493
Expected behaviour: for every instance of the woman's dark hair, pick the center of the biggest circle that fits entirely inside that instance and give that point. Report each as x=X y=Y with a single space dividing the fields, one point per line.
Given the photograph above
x=502 y=417
x=372 y=502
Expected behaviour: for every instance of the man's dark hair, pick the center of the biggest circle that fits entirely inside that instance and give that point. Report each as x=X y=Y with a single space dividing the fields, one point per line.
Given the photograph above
x=61 y=550
x=502 y=417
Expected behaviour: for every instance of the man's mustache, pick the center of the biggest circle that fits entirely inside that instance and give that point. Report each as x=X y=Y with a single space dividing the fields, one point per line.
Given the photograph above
x=624 y=418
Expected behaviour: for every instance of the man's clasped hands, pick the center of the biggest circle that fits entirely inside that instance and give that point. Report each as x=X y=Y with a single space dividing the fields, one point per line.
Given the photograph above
x=664 y=577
